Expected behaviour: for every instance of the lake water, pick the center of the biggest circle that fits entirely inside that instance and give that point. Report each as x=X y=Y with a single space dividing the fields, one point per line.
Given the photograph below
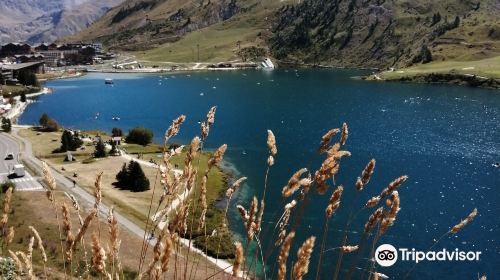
x=445 y=138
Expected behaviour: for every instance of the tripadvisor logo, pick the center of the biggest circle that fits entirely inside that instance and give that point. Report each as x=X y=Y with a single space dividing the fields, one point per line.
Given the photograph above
x=387 y=255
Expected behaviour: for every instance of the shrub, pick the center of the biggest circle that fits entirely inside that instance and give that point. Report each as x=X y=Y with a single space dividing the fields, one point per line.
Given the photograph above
x=69 y=142
x=140 y=135
x=6 y=125
x=6 y=185
x=52 y=126
x=23 y=97
x=44 y=119
x=48 y=123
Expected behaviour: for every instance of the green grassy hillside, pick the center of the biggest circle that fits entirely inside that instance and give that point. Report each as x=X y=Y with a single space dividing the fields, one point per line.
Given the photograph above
x=353 y=33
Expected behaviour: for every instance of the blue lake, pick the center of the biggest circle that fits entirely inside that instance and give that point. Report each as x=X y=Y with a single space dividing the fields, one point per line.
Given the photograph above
x=445 y=138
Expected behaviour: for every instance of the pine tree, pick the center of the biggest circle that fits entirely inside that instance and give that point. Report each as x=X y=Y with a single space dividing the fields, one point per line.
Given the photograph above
x=69 y=142
x=122 y=176
x=100 y=150
x=137 y=178
x=65 y=141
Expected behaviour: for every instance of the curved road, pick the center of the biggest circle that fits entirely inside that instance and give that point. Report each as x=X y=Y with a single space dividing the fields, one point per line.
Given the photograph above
x=25 y=183
x=12 y=142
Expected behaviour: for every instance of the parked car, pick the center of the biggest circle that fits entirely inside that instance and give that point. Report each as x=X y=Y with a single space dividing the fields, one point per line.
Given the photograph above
x=9 y=156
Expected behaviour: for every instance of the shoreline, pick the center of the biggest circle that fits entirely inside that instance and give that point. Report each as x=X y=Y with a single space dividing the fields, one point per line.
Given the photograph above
x=19 y=107
x=468 y=80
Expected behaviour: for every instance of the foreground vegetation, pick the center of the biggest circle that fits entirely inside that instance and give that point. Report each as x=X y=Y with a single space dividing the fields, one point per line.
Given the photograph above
x=183 y=210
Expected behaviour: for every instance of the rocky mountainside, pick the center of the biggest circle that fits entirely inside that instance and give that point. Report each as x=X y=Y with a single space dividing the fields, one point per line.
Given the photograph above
x=37 y=21
x=368 y=33
x=382 y=33
x=145 y=24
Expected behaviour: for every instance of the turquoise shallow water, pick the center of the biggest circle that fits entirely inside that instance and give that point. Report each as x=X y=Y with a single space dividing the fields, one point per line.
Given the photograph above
x=445 y=138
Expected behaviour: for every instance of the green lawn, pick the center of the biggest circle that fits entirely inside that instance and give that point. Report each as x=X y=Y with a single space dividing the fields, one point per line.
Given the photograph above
x=16 y=90
x=489 y=67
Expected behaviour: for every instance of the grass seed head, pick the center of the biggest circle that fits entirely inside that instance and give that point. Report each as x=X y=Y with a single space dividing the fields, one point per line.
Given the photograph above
x=463 y=223
x=301 y=267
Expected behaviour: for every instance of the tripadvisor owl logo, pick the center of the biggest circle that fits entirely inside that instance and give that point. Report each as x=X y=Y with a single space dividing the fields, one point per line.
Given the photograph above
x=386 y=255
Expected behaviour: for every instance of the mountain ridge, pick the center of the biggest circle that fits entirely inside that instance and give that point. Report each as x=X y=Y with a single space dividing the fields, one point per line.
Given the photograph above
x=349 y=33
x=37 y=21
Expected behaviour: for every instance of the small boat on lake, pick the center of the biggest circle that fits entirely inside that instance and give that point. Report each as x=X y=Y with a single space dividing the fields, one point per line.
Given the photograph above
x=108 y=81
x=116 y=118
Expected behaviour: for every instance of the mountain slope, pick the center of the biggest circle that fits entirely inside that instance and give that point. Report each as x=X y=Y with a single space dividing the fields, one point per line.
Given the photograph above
x=38 y=21
x=146 y=24
x=377 y=33
x=368 y=33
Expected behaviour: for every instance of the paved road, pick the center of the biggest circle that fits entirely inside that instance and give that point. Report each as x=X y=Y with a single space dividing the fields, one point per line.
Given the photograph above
x=25 y=183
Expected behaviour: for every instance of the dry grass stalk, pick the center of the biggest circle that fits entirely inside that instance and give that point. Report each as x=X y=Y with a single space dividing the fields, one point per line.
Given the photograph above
x=39 y=243
x=217 y=156
x=70 y=239
x=173 y=130
x=393 y=186
x=76 y=206
x=389 y=217
x=9 y=236
x=189 y=172
x=213 y=161
x=115 y=241
x=258 y=224
x=463 y=223
x=283 y=256
x=167 y=252
x=98 y=259
x=235 y=186
x=157 y=251
x=271 y=143
x=372 y=202
x=83 y=228
x=344 y=135
x=283 y=221
x=326 y=139
x=6 y=208
x=301 y=267
x=367 y=173
x=211 y=115
x=238 y=259
x=98 y=191
x=50 y=180
x=329 y=168
x=334 y=202
x=373 y=219
x=295 y=183
x=178 y=223
x=203 y=203
x=16 y=259
x=250 y=225
x=270 y=161
x=27 y=264
x=205 y=126
x=349 y=249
